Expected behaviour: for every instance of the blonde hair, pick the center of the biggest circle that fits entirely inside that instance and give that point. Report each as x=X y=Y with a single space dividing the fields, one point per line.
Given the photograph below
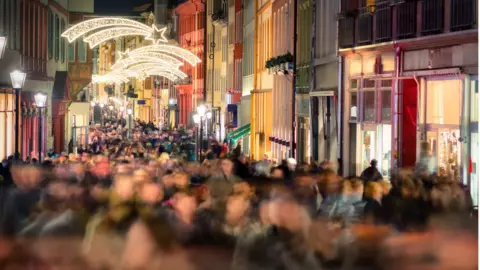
x=371 y=188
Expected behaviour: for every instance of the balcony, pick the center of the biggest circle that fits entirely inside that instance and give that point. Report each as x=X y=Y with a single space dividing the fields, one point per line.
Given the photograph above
x=402 y=19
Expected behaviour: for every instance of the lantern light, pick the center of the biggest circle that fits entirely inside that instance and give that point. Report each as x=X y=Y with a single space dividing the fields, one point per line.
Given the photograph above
x=110 y=107
x=209 y=115
x=122 y=108
x=93 y=103
x=40 y=100
x=18 y=79
x=102 y=105
x=196 y=118
x=129 y=111
x=201 y=110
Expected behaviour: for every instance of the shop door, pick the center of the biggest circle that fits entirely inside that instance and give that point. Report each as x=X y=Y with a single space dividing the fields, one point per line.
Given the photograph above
x=325 y=139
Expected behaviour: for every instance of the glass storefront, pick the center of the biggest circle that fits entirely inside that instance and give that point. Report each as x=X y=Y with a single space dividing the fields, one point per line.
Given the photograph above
x=443 y=115
x=377 y=144
x=370 y=108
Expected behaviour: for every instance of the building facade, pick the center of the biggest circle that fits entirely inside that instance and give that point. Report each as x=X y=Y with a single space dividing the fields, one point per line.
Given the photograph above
x=282 y=81
x=261 y=95
x=410 y=87
x=191 y=27
x=324 y=98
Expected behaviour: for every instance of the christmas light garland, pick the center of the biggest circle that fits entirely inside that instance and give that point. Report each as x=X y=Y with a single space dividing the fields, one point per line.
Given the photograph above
x=101 y=36
x=87 y=26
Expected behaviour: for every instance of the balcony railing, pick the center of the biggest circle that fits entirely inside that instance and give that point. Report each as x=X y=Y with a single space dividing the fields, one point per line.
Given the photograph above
x=383 y=22
x=462 y=14
x=432 y=17
x=365 y=27
x=402 y=19
x=406 y=20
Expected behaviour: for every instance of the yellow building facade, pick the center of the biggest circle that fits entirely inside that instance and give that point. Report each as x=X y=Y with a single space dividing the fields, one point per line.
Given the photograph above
x=261 y=97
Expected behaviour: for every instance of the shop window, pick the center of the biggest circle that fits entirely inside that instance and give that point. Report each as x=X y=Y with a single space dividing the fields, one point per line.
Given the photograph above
x=386 y=105
x=443 y=102
x=353 y=106
x=71 y=52
x=369 y=106
x=368 y=83
x=82 y=51
x=385 y=158
x=369 y=144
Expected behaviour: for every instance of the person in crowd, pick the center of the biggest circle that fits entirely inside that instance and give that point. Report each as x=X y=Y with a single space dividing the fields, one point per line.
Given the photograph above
x=371 y=173
x=141 y=203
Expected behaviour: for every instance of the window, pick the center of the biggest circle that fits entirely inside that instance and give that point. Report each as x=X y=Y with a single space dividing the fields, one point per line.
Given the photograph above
x=50 y=34
x=444 y=102
x=82 y=51
x=62 y=42
x=57 y=37
x=368 y=100
x=71 y=52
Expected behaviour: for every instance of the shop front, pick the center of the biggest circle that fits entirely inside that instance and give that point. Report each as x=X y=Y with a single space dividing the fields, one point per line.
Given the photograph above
x=370 y=122
x=7 y=122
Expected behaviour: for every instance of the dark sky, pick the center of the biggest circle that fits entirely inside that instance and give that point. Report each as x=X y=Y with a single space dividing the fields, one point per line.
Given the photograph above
x=118 y=7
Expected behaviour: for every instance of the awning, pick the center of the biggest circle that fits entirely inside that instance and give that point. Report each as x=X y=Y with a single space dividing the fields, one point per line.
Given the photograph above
x=239 y=133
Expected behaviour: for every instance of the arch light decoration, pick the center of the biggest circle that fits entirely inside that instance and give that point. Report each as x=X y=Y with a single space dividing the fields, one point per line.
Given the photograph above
x=154 y=66
x=176 y=51
x=99 y=37
x=111 y=28
x=122 y=64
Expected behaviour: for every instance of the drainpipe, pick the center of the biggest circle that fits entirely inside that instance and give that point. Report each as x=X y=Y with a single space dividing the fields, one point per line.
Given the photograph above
x=396 y=116
x=205 y=51
x=294 y=80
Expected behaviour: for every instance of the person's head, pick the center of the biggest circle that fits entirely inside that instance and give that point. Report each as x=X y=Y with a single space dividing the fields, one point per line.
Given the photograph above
x=357 y=186
x=151 y=193
x=276 y=173
x=226 y=166
x=330 y=182
x=124 y=186
x=374 y=191
x=141 y=176
x=236 y=209
x=373 y=163
x=386 y=187
x=346 y=188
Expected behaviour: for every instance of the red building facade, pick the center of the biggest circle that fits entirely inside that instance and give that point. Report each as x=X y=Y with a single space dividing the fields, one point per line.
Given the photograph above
x=190 y=32
x=33 y=51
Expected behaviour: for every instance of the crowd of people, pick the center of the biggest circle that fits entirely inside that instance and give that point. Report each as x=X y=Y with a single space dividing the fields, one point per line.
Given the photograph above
x=143 y=199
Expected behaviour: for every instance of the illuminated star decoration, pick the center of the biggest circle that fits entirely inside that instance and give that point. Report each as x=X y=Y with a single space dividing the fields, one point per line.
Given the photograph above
x=98 y=30
x=156 y=35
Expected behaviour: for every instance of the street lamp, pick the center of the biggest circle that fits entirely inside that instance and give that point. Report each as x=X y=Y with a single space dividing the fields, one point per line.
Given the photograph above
x=196 y=120
x=101 y=113
x=201 y=110
x=129 y=112
x=93 y=103
x=40 y=101
x=202 y=114
x=18 y=80
x=3 y=46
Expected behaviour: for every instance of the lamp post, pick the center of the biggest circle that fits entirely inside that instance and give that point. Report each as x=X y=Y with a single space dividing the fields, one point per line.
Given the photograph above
x=111 y=111
x=18 y=80
x=92 y=119
x=101 y=113
x=3 y=46
x=196 y=120
x=40 y=101
x=129 y=112
x=202 y=114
